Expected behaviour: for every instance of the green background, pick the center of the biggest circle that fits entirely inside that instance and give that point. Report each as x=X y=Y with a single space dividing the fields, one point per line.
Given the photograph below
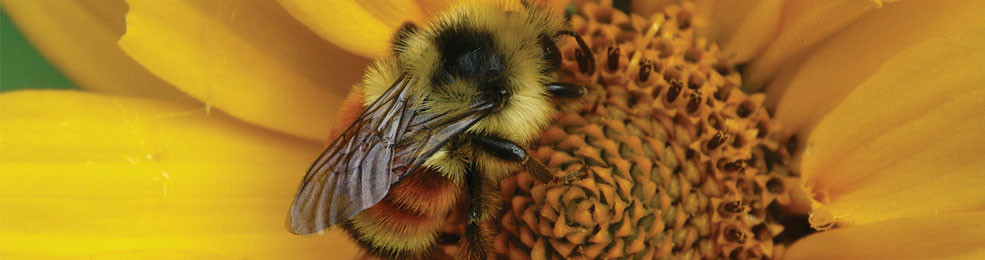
x=22 y=66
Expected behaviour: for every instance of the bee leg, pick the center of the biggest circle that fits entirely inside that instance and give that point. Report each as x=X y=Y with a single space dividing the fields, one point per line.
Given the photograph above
x=509 y=151
x=565 y=90
x=501 y=148
x=571 y=177
x=475 y=240
x=542 y=174
x=400 y=37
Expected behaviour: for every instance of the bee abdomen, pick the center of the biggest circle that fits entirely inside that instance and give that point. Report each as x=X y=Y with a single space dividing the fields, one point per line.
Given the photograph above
x=405 y=223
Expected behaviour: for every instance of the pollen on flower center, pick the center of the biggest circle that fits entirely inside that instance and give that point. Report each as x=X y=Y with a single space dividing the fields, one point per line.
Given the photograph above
x=665 y=157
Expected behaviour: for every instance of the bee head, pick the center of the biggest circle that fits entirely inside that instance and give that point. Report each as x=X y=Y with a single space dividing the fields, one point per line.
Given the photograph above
x=487 y=53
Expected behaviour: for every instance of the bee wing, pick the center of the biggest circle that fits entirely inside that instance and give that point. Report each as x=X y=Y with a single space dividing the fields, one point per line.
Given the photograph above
x=386 y=142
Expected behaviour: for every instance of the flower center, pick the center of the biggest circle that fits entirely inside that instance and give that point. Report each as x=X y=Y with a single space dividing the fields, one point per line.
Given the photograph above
x=666 y=156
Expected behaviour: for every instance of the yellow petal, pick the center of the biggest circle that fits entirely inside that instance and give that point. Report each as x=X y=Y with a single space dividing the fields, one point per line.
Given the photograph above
x=953 y=236
x=80 y=38
x=805 y=94
x=362 y=27
x=803 y=23
x=366 y=27
x=755 y=31
x=90 y=175
x=724 y=17
x=247 y=58
x=908 y=140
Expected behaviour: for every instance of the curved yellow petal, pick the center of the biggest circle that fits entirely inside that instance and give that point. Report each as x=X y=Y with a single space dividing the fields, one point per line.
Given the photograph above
x=755 y=31
x=803 y=95
x=247 y=58
x=362 y=27
x=724 y=17
x=80 y=38
x=803 y=24
x=366 y=27
x=91 y=175
x=952 y=236
x=908 y=140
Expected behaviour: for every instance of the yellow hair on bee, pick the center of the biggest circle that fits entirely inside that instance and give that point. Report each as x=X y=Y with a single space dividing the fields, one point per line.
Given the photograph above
x=450 y=163
x=379 y=77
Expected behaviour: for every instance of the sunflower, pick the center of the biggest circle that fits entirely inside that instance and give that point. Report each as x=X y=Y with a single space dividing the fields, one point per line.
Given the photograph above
x=196 y=120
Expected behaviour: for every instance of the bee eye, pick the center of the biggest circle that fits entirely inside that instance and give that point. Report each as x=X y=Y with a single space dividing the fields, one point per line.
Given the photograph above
x=549 y=53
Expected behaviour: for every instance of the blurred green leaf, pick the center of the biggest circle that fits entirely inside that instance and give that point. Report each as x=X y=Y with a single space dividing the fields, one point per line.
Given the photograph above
x=22 y=66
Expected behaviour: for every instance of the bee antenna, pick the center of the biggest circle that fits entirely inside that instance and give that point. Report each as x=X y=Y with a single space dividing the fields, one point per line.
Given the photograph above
x=590 y=59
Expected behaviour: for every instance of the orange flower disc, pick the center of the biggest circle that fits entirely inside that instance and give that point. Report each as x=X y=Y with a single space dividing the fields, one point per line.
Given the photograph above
x=665 y=157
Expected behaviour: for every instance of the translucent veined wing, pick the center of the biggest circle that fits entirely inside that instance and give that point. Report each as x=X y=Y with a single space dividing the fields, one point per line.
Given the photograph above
x=388 y=141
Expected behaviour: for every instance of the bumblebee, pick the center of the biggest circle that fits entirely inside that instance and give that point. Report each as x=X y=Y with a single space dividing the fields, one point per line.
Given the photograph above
x=447 y=116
